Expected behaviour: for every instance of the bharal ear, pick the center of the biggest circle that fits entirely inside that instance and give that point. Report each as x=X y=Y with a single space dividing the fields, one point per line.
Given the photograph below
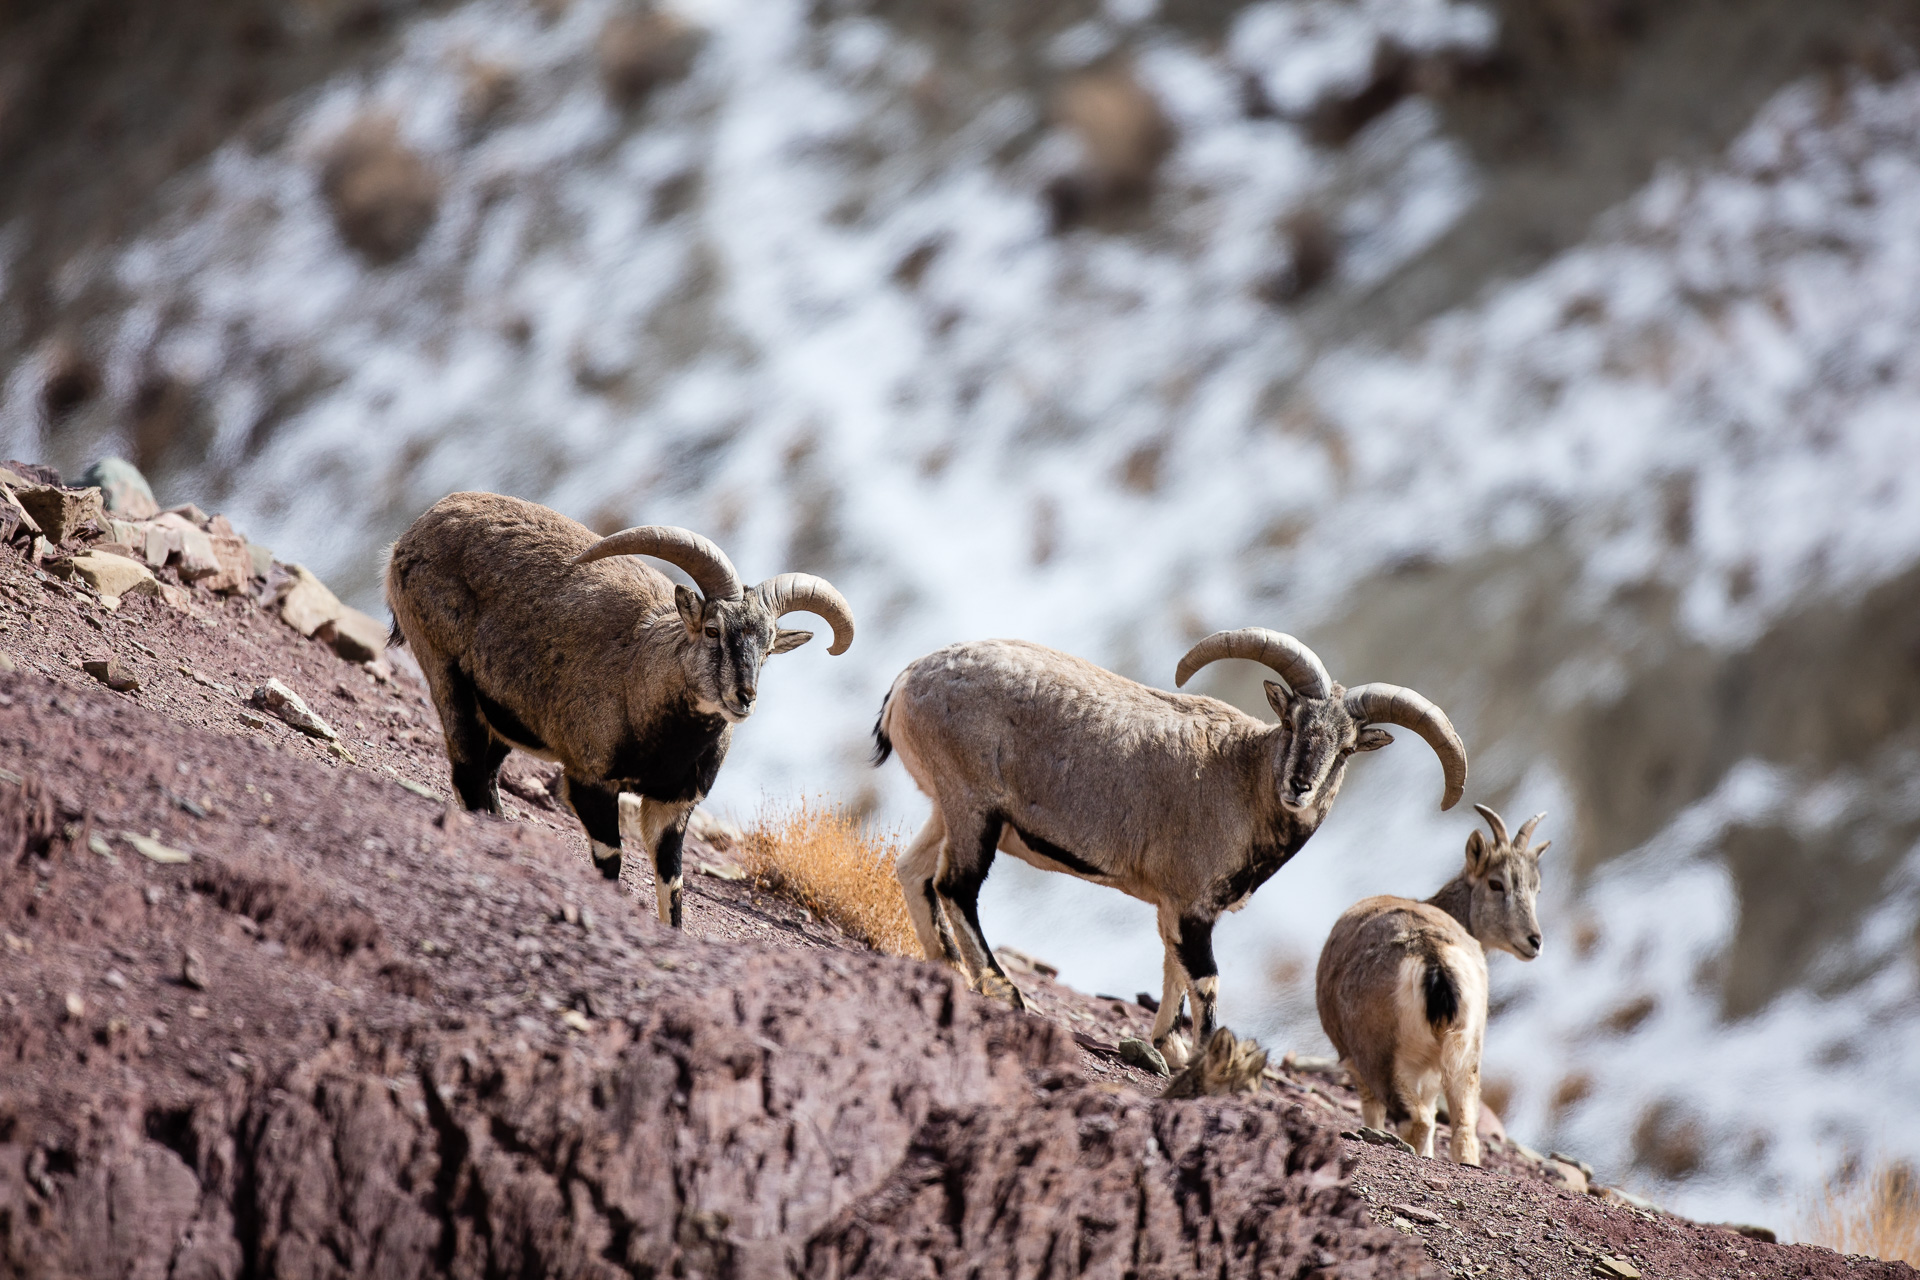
x=783 y=640
x=1278 y=697
x=1372 y=739
x=1539 y=849
x=1476 y=852
x=688 y=603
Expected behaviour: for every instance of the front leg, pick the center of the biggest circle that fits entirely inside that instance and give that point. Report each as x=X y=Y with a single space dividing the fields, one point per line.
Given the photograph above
x=598 y=808
x=663 y=829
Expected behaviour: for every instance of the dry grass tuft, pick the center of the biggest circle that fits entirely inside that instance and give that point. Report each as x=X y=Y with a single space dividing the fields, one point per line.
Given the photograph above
x=837 y=867
x=1879 y=1217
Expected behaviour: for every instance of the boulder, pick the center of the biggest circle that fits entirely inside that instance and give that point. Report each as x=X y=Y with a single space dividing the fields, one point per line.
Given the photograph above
x=261 y=559
x=161 y=543
x=355 y=636
x=113 y=576
x=197 y=559
x=60 y=513
x=306 y=604
x=123 y=490
x=236 y=566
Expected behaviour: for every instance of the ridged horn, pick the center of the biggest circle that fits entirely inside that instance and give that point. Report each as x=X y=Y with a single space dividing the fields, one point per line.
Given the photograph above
x=705 y=563
x=1297 y=665
x=802 y=592
x=1391 y=704
x=1495 y=821
x=1526 y=831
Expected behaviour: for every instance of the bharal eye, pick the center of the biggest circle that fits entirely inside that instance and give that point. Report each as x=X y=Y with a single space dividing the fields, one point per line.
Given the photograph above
x=713 y=633
x=1496 y=886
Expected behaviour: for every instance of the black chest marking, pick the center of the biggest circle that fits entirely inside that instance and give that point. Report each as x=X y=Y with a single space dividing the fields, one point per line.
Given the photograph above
x=676 y=758
x=1266 y=857
x=506 y=724
x=1048 y=849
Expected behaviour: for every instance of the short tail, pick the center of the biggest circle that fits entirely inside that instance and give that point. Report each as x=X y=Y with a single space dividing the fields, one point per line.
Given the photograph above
x=882 y=744
x=1443 y=994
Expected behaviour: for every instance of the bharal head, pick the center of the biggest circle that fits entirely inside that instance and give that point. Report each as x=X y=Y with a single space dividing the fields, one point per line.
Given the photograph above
x=1326 y=724
x=1504 y=875
x=731 y=630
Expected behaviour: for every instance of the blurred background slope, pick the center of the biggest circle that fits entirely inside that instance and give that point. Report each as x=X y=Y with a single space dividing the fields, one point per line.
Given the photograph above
x=1556 y=357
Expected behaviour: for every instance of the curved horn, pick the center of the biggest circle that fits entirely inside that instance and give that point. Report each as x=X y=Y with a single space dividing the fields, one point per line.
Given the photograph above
x=705 y=563
x=1526 y=831
x=1391 y=704
x=1295 y=662
x=802 y=592
x=1494 y=820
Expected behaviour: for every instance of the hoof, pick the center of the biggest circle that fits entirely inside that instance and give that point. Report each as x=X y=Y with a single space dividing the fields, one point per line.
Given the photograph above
x=995 y=987
x=1174 y=1049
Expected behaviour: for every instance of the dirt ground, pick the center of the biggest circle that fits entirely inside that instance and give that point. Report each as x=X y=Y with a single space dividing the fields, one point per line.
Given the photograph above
x=268 y=1011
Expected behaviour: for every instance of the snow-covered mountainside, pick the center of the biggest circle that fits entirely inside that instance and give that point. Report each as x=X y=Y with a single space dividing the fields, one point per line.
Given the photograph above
x=868 y=291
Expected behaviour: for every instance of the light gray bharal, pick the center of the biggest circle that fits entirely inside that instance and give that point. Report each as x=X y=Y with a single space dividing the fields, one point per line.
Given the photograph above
x=1402 y=986
x=1184 y=802
x=536 y=633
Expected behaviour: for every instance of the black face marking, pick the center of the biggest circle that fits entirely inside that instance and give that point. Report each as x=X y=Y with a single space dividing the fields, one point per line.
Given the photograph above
x=506 y=724
x=677 y=759
x=598 y=808
x=1047 y=849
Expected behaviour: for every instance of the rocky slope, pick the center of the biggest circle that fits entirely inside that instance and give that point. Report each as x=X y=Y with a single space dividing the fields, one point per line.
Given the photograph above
x=271 y=1007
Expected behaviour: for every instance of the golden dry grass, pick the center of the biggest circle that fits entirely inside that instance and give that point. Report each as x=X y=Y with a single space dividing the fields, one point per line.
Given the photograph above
x=837 y=867
x=1879 y=1216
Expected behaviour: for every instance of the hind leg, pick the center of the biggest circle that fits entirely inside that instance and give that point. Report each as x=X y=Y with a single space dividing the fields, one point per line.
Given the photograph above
x=1373 y=1111
x=967 y=855
x=1460 y=1075
x=915 y=871
x=472 y=750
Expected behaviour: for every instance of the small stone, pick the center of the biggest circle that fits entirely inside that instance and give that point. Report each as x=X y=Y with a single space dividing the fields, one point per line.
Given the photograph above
x=7 y=664
x=150 y=848
x=1380 y=1138
x=1617 y=1268
x=1143 y=1055
x=1415 y=1213
x=110 y=672
x=339 y=752
x=116 y=979
x=192 y=973
x=260 y=559
x=199 y=1011
x=189 y=512
x=252 y=721
x=98 y=843
x=153 y=895
x=576 y=1019
x=1569 y=1176
x=76 y=1007
x=123 y=490
x=290 y=707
